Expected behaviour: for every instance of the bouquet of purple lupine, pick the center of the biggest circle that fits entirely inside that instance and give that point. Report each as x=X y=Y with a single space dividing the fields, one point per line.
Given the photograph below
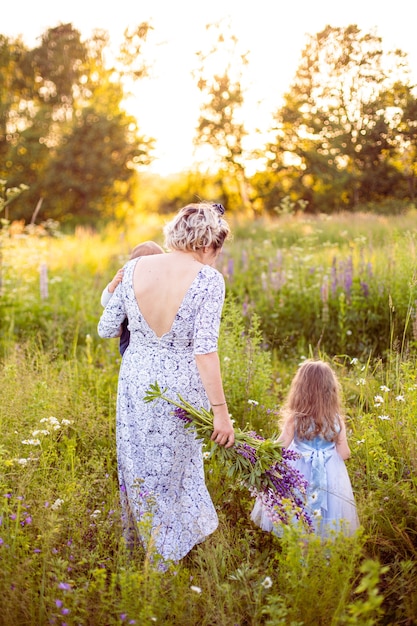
x=260 y=465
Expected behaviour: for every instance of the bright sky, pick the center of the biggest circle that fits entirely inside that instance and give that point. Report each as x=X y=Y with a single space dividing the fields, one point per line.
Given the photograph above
x=274 y=31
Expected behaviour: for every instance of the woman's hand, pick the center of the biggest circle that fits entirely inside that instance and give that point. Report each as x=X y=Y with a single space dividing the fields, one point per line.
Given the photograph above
x=223 y=433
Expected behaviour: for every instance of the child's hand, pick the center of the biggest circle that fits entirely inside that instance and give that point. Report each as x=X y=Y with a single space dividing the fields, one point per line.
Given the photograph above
x=116 y=281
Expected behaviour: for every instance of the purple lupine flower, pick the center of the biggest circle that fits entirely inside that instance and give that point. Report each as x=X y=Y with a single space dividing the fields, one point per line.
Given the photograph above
x=348 y=275
x=255 y=435
x=365 y=289
x=230 y=268
x=244 y=449
x=334 y=277
x=183 y=415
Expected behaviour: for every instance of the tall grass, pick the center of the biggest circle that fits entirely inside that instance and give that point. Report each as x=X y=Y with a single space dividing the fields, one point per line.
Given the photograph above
x=62 y=556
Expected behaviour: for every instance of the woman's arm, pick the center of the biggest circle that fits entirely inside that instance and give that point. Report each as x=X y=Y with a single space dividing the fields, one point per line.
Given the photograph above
x=342 y=444
x=209 y=368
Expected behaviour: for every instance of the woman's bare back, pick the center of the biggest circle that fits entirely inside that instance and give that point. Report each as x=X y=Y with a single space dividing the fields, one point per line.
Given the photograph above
x=160 y=283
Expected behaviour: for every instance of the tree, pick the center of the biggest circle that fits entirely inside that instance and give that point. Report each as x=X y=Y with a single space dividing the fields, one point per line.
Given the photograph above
x=67 y=134
x=335 y=136
x=219 y=125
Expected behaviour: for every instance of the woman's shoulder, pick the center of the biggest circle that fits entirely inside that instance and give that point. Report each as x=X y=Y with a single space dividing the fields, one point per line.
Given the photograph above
x=211 y=272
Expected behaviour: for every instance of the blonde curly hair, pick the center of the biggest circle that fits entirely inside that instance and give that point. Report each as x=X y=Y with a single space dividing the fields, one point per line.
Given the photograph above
x=197 y=226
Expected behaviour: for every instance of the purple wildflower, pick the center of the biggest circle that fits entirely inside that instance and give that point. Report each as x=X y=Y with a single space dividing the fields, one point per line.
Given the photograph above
x=65 y=586
x=348 y=275
x=334 y=277
x=183 y=415
x=365 y=289
x=244 y=449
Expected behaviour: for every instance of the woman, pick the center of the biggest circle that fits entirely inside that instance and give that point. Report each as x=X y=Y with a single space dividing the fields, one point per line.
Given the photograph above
x=173 y=303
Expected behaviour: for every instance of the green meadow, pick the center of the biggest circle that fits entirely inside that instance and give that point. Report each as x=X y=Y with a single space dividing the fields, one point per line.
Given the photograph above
x=340 y=287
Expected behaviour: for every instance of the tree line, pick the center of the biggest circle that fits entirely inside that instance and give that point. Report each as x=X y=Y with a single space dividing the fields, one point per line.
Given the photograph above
x=343 y=138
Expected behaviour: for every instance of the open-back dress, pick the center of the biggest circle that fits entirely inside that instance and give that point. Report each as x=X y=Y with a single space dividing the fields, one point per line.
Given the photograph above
x=160 y=461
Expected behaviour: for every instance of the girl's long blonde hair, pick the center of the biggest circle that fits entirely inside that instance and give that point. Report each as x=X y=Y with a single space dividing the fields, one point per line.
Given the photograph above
x=313 y=404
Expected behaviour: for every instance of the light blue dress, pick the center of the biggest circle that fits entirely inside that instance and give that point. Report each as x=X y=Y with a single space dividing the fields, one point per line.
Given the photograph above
x=330 y=501
x=160 y=462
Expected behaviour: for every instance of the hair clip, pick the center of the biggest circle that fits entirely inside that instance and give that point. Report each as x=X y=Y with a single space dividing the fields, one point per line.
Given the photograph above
x=219 y=208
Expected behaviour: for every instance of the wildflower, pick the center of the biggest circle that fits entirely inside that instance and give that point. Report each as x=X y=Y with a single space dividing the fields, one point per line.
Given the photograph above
x=36 y=433
x=267 y=582
x=206 y=455
x=65 y=586
x=183 y=415
x=196 y=589
x=58 y=603
x=354 y=361
x=22 y=461
x=400 y=398
x=383 y=417
x=95 y=513
x=65 y=611
x=52 y=421
x=58 y=502
x=253 y=402
x=226 y=359
x=384 y=388
x=378 y=400
x=65 y=422
x=31 y=442
x=361 y=381
x=1 y=541
x=360 y=441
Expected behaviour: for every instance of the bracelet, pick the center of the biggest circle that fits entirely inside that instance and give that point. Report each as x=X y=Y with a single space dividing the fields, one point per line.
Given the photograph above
x=220 y=404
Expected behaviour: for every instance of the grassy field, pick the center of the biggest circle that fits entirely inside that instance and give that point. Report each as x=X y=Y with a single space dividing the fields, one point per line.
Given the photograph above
x=342 y=288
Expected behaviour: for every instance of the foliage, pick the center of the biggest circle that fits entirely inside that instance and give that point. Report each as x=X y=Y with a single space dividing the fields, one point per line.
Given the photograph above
x=344 y=123
x=66 y=133
x=61 y=547
x=345 y=288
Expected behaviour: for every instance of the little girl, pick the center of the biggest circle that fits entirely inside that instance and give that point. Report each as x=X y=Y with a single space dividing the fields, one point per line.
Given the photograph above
x=313 y=426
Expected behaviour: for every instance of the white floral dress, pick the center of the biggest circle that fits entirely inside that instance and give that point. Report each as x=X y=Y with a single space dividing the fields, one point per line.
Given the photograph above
x=160 y=462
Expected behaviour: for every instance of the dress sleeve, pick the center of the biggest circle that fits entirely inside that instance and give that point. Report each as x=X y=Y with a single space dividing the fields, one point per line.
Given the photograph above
x=207 y=321
x=105 y=296
x=113 y=315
